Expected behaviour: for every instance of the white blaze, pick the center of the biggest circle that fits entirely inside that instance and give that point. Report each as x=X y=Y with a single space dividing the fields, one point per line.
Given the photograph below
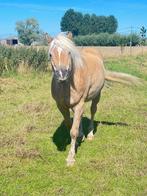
x=59 y=53
x=60 y=72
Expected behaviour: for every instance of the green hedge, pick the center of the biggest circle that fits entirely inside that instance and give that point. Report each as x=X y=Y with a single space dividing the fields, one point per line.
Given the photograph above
x=11 y=58
x=105 y=39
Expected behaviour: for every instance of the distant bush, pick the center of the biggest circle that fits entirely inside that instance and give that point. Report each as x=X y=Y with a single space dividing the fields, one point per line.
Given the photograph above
x=11 y=59
x=105 y=39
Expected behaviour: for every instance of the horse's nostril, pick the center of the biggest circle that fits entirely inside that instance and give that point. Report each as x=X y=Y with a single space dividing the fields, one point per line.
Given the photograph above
x=62 y=74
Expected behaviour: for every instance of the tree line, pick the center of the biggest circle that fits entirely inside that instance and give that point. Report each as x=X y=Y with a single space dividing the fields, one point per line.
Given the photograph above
x=87 y=30
x=106 y=39
x=83 y=24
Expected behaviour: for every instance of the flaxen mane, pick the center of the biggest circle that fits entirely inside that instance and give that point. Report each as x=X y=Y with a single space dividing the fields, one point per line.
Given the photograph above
x=66 y=44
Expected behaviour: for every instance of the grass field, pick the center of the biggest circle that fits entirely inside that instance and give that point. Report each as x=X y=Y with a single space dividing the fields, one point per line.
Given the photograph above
x=34 y=142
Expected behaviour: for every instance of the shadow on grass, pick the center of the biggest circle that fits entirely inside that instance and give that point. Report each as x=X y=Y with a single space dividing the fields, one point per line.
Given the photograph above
x=61 y=137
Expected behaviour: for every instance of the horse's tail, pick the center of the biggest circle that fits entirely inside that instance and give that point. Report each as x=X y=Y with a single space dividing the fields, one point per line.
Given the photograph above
x=122 y=78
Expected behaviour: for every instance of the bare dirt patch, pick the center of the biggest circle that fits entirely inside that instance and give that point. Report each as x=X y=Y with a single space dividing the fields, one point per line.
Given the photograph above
x=31 y=153
x=7 y=81
x=29 y=128
x=11 y=141
x=34 y=107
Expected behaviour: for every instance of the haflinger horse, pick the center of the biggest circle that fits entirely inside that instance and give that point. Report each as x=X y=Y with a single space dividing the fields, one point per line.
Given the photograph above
x=78 y=77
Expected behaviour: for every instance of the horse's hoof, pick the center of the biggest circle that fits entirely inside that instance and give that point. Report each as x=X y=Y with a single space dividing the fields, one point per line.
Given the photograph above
x=70 y=163
x=83 y=138
x=90 y=138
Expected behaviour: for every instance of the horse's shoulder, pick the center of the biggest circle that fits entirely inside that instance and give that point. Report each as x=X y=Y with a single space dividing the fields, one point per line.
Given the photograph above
x=92 y=52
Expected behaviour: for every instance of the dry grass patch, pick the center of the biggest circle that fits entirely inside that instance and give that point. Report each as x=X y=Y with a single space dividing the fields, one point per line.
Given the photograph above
x=13 y=140
x=27 y=153
x=34 y=107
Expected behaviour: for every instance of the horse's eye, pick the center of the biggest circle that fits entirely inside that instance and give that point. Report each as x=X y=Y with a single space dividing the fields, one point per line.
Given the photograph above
x=49 y=56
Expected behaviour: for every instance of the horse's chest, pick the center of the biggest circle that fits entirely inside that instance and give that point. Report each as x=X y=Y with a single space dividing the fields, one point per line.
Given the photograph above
x=64 y=94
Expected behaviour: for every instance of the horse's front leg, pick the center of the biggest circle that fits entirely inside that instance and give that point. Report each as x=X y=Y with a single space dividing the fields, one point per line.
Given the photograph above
x=74 y=132
x=66 y=115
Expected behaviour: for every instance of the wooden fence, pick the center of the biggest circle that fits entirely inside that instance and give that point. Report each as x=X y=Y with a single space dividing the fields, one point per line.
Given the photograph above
x=114 y=51
x=121 y=51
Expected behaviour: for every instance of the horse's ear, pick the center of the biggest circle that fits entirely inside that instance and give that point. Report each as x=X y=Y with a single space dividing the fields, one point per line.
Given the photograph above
x=48 y=38
x=69 y=35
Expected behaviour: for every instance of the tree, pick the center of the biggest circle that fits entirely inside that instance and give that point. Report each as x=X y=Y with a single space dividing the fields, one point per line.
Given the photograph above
x=80 y=24
x=71 y=21
x=28 y=31
x=85 y=29
x=143 y=35
x=112 y=24
x=101 y=24
x=93 y=24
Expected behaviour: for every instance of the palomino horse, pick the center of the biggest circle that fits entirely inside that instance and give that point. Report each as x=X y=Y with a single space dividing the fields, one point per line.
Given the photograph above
x=78 y=76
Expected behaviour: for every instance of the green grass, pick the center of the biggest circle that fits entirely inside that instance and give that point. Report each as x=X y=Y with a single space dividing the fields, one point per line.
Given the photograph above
x=133 y=65
x=34 y=142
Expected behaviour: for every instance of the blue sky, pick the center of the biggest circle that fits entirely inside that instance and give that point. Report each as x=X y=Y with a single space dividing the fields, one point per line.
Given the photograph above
x=49 y=12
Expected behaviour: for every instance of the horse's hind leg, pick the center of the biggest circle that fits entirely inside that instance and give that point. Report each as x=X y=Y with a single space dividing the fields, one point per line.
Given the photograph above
x=66 y=114
x=93 y=110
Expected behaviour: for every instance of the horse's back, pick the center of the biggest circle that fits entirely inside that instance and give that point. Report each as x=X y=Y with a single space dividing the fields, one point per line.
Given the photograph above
x=93 y=51
x=93 y=61
x=95 y=71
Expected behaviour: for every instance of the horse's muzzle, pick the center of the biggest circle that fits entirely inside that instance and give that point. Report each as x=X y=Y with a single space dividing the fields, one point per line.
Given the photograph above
x=62 y=74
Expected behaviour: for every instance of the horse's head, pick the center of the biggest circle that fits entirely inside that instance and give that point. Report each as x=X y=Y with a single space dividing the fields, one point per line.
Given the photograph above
x=61 y=63
x=60 y=59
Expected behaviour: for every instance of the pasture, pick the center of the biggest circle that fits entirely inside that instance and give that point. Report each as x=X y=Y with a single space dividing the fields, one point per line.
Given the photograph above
x=34 y=142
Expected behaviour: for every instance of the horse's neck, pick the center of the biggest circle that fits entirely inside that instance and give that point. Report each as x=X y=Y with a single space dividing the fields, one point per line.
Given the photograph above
x=74 y=73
